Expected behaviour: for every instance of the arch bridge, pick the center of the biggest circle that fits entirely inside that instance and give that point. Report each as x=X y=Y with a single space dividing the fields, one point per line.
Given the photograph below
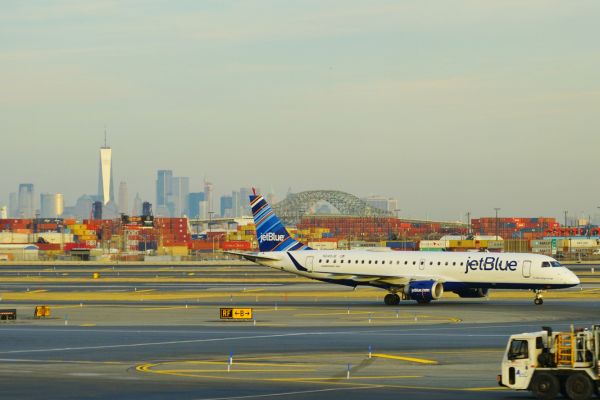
x=295 y=206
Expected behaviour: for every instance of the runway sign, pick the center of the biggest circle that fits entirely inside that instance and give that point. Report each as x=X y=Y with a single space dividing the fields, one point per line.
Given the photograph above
x=236 y=313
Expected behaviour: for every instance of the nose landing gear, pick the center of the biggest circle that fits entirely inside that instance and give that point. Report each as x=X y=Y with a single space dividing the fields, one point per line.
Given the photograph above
x=538 y=301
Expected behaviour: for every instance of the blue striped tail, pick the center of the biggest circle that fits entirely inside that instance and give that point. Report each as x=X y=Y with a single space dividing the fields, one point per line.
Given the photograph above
x=270 y=232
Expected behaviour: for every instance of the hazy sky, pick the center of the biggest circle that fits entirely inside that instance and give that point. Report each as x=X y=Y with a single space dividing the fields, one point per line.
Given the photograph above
x=447 y=105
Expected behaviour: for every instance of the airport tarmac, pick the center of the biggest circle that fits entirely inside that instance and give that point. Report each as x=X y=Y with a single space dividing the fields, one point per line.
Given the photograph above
x=306 y=340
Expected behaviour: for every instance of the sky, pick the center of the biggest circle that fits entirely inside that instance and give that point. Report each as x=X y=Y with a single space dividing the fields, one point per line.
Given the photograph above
x=449 y=106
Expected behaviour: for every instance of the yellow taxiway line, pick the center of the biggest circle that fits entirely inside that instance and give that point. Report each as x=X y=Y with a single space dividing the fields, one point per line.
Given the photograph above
x=401 y=358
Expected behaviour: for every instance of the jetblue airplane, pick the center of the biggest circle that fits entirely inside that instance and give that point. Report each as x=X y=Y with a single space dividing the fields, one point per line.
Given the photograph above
x=419 y=276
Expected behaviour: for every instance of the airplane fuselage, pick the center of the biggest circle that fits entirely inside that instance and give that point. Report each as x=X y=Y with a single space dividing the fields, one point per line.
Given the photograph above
x=454 y=270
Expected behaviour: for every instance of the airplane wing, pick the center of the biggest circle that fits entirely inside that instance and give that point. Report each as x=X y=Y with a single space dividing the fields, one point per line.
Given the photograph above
x=254 y=257
x=389 y=280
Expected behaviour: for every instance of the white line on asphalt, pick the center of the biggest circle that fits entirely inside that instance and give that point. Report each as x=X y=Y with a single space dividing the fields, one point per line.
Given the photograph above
x=256 y=396
x=411 y=332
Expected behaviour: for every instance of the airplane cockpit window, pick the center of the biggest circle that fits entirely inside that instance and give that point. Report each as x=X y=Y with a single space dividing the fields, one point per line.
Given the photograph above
x=545 y=264
x=555 y=264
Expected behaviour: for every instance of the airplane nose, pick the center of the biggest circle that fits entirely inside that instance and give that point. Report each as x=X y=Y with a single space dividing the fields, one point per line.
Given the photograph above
x=573 y=279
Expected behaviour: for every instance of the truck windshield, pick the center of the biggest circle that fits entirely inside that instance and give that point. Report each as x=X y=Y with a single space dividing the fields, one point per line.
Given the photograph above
x=518 y=350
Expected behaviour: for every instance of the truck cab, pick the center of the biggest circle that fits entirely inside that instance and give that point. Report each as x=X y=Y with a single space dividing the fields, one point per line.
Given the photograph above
x=548 y=363
x=521 y=359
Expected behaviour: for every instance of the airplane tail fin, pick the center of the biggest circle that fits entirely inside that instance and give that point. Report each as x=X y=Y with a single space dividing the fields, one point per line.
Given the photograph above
x=270 y=232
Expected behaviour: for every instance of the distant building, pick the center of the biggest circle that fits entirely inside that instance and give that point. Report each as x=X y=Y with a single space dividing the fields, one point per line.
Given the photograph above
x=181 y=189
x=235 y=204
x=3 y=212
x=13 y=205
x=83 y=207
x=26 y=201
x=137 y=205
x=203 y=209
x=123 y=198
x=105 y=179
x=244 y=205
x=194 y=200
x=208 y=195
x=164 y=189
x=52 y=205
x=226 y=206
x=383 y=203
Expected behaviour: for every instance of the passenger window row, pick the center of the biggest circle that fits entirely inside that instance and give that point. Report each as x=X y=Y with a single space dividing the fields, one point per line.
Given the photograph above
x=454 y=263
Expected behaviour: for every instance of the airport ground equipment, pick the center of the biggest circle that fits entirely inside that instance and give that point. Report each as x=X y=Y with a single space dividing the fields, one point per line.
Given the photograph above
x=8 y=314
x=41 y=312
x=549 y=363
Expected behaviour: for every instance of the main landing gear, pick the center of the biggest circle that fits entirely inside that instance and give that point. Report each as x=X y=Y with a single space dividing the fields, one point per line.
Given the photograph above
x=538 y=301
x=391 y=299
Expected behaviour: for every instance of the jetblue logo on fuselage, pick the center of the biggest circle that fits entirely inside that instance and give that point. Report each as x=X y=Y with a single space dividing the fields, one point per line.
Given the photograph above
x=490 y=264
x=271 y=237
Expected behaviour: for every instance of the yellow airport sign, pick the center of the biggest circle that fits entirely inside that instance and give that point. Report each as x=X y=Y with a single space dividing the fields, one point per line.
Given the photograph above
x=236 y=313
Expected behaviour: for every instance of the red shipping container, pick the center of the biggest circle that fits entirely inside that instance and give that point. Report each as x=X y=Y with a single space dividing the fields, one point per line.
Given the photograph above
x=236 y=245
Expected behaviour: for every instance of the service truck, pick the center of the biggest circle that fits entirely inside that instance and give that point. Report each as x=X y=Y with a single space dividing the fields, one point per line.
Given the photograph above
x=550 y=363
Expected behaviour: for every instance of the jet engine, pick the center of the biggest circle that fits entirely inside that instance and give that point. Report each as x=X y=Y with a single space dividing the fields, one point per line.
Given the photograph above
x=424 y=291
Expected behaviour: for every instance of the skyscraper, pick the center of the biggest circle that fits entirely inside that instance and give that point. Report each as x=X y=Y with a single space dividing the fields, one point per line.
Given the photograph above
x=181 y=189
x=137 y=205
x=226 y=206
x=105 y=179
x=164 y=191
x=208 y=195
x=194 y=200
x=245 y=201
x=123 y=198
x=235 y=204
x=26 y=201
x=13 y=205
x=52 y=205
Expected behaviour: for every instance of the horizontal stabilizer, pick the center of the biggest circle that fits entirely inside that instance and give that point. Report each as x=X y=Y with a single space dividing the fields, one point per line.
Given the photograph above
x=255 y=257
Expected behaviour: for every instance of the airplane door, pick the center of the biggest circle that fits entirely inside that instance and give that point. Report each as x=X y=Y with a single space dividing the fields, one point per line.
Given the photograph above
x=526 y=269
x=422 y=264
x=309 y=263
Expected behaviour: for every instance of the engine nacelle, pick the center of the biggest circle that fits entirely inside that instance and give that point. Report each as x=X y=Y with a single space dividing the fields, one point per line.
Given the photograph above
x=472 y=293
x=424 y=291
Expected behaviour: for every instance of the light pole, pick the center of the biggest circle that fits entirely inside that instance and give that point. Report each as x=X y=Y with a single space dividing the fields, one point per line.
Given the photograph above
x=397 y=212
x=497 y=209
x=210 y=214
x=468 y=224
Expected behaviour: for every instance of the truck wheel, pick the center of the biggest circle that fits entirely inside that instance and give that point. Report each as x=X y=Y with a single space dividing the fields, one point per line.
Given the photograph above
x=579 y=387
x=545 y=386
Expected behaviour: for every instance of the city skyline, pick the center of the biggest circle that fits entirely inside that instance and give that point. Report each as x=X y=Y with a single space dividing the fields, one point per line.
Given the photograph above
x=465 y=106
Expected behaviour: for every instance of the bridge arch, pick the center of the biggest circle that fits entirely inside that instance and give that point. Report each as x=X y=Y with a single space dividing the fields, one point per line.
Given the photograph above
x=295 y=206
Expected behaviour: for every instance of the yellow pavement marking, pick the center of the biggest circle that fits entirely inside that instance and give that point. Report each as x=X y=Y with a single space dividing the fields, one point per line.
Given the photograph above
x=262 y=310
x=145 y=291
x=233 y=369
x=237 y=361
x=167 y=308
x=410 y=359
x=87 y=325
x=38 y=291
x=319 y=380
x=352 y=378
x=252 y=290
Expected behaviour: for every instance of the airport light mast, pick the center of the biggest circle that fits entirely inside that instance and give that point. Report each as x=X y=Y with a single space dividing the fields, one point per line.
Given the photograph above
x=497 y=209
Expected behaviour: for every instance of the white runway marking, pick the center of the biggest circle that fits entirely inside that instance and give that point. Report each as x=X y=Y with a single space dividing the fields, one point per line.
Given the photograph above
x=409 y=332
x=303 y=392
